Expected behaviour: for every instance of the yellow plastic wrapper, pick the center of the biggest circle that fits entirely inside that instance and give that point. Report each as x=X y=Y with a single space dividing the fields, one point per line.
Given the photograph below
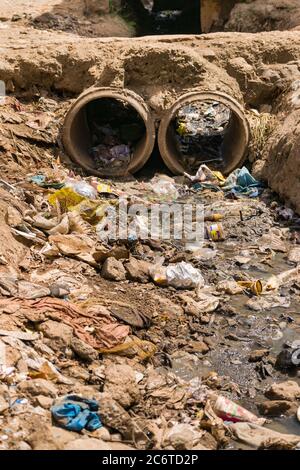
x=255 y=286
x=181 y=129
x=103 y=188
x=66 y=198
x=219 y=176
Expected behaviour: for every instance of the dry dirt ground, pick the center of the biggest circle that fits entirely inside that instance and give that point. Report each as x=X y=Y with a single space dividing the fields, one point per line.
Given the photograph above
x=83 y=317
x=83 y=17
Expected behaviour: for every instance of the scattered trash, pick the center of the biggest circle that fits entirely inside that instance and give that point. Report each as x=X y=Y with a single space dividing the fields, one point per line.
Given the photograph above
x=75 y=413
x=242 y=182
x=200 y=128
x=254 y=286
x=181 y=276
x=230 y=411
x=115 y=129
x=215 y=232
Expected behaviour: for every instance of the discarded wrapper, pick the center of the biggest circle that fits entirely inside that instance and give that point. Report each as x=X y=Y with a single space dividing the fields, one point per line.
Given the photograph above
x=230 y=411
x=255 y=286
x=215 y=232
x=213 y=217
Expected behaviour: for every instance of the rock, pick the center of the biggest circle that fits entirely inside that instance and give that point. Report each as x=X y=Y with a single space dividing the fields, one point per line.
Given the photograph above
x=121 y=385
x=102 y=433
x=87 y=444
x=294 y=255
x=289 y=357
x=120 y=446
x=182 y=436
x=44 y=402
x=84 y=350
x=43 y=436
x=22 y=445
x=115 y=417
x=3 y=405
x=116 y=437
x=58 y=332
x=79 y=373
x=113 y=270
x=12 y=356
x=200 y=447
x=137 y=270
x=37 y=387
x=13 y=216
x=198 y=347
x=284 y=391
x=258 y=354
x=276 y=407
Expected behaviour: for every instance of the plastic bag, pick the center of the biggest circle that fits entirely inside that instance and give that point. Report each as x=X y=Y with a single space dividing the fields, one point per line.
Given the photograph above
x=181 y=276
x=163 y=186
x=82 y=188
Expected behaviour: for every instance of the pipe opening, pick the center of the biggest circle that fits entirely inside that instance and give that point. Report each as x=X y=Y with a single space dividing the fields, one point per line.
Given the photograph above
x=108 y=135
x=204 y=129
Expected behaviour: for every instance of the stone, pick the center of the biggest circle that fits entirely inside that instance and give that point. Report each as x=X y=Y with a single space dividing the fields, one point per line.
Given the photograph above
x=79 y=373
x=37 y=387
x=198 y=347
x=277 y=407
x=84 y=350
x=13 y=216
x=12 y=356
x=44 y=402
x=120 y=446
x=182 y=436
x=289 y=391
x=58 y=332
x=120 y=384
x=137 y=270
x=115 y=417
x=113 y=270
x=294 y=255
x=3 y=405
x=200 y=447
x=87 y=444
x=258 y=354
x=102 y=433
x=22 y=445
x=42 y=436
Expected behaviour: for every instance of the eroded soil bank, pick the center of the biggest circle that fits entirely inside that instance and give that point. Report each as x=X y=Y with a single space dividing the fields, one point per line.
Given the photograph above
x=96 y=318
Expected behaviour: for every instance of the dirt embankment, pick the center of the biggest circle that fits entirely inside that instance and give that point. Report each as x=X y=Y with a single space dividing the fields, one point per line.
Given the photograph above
x=91 y=18
x=280 y=166
x=264 y=15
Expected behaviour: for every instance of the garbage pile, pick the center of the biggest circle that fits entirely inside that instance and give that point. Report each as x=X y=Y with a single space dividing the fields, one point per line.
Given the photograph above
x=200 y=128
x=143 y=342
x=115 y=128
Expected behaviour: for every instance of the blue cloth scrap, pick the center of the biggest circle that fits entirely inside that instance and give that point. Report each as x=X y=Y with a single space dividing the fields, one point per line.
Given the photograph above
x=238 y=184
x=242 y=182
x=75 y=413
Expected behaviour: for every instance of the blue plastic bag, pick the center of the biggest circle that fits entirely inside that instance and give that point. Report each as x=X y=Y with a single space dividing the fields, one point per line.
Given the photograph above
x=75 y=413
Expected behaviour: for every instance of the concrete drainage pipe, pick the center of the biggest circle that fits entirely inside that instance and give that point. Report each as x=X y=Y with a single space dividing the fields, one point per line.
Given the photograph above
x=233 y=142
x=109 y=132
